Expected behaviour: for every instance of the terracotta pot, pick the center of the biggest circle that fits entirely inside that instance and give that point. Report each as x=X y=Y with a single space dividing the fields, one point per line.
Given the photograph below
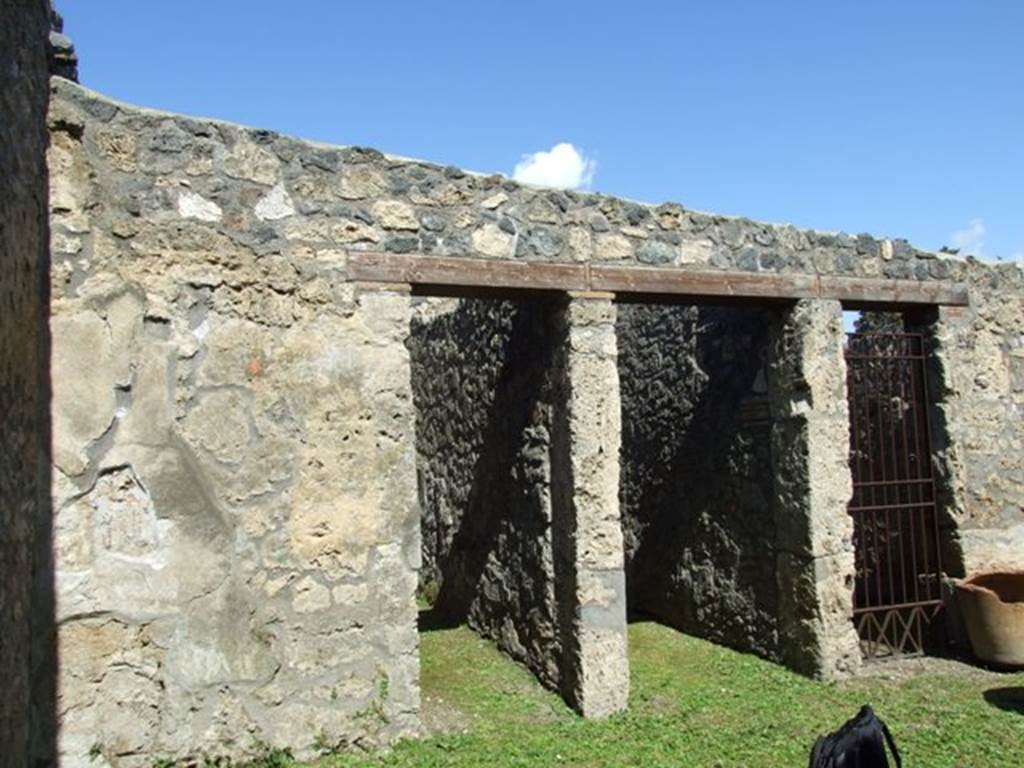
x=992 y=606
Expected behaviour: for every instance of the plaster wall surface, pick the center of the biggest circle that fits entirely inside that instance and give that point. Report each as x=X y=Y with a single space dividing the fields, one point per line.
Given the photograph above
x=236 y=520
x=309 y=204
x=25 y=623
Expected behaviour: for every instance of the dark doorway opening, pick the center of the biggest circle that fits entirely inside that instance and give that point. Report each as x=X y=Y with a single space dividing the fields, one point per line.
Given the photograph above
x=484 y=395
x=697 y=482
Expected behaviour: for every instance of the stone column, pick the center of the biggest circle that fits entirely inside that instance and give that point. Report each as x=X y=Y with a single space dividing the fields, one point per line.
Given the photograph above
x=814 y=532
x=586 y=526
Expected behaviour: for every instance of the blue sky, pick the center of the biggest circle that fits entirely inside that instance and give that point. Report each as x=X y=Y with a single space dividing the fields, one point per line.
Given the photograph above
x=902 y=118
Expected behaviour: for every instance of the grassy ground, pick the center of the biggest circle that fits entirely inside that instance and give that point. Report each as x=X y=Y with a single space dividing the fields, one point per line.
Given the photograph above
x=694 y=704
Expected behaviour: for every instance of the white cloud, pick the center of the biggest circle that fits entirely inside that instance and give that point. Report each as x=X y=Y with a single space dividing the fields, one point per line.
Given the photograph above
x=971 y=240
x=562 y=166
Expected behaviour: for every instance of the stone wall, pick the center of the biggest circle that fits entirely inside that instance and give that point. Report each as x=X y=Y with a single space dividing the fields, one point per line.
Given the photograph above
x=233 y=415
x=357 y=199
x=482 y=389
x=26 y=633
x=978 y=425
x=697 y=483
x=236 y=521
x=301 y=203
x=976 y=389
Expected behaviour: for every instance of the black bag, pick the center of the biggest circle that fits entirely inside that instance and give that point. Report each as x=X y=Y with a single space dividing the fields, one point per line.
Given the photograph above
x=858 y=744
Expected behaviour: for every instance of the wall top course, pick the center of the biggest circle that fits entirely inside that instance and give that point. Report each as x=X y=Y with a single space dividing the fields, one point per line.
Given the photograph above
x=278 y=189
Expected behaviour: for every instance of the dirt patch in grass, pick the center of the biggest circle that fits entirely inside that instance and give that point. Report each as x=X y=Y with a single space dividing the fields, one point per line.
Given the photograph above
x=438 y=717
x=899 y=669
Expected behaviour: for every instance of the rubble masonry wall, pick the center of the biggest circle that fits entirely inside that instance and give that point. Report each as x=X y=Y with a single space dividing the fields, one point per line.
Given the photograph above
x=233 y=415
x=697 y=482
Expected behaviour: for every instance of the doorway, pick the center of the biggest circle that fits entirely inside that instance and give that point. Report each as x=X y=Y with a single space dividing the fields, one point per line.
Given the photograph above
x=897 y=544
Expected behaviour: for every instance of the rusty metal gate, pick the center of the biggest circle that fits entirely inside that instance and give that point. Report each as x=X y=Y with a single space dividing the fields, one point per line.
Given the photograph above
x=895 y=522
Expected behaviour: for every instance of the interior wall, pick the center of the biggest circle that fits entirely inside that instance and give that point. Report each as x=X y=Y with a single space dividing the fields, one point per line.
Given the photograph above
x=697 y=487
x=482 y=386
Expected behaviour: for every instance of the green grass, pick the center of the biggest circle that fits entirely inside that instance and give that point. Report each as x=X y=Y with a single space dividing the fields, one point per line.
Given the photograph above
x=693 y=704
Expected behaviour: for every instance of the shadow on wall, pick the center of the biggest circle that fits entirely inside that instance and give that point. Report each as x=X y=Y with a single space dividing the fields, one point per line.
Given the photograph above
x=28 y=644
x=28 y=650
x=697 y=484
x=483 y=395
x=44 y=648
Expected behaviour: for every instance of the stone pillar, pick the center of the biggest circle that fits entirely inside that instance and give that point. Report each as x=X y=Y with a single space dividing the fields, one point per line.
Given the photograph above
x=393 y=527
x=586 y=525
x=814 y=532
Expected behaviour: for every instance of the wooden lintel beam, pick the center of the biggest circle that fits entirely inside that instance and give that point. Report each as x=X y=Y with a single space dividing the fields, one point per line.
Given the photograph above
x=692 y=283
x=447 y=273
x=470 y=272
x=856 y=290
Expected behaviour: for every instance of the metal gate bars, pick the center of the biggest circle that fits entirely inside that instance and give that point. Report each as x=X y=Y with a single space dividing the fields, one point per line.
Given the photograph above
x=896 y=537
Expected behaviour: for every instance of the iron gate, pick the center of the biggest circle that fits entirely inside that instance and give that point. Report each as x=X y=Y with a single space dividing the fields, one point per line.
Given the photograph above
x=895 y=524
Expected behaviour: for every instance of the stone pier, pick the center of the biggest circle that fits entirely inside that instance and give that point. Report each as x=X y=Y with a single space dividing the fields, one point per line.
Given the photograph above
x=587 y=535
x=814 y=533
